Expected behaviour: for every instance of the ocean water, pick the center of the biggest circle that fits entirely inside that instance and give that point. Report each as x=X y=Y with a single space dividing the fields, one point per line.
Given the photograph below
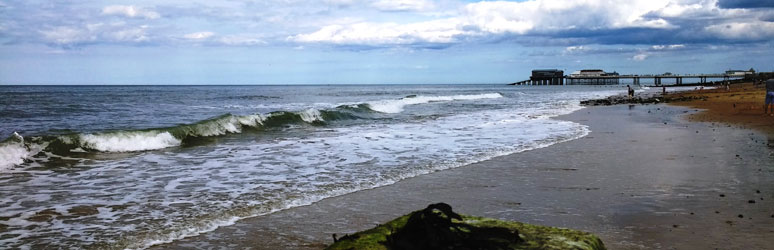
x=116 y=167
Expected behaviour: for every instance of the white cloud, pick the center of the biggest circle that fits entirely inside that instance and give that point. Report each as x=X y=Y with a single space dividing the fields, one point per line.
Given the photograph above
x=574 y=49
x=439 y=31
x=339 y=2
x=198 y=35
x=668 y=47
x=95 y=32
x=241 y=40
x=483 y=19
x=403 y=5
x=431 y=23
x=129 y=11
x=640 y=57
x=128 y=34
x=67 y=35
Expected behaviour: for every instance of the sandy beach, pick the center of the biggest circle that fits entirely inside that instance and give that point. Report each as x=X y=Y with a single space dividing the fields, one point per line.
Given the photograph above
x=646 y=177
x=741 y=105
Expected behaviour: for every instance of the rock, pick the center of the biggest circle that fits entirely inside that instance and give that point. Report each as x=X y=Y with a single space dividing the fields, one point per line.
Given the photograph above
x=83 y=210
x=44 y=215
x=438 y=227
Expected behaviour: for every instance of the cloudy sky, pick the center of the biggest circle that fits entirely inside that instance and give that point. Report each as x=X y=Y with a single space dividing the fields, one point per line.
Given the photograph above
x=363 y=42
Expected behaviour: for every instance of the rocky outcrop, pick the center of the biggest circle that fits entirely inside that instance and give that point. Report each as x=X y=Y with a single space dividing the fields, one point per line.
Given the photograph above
x=438 y=227
x=615 y=100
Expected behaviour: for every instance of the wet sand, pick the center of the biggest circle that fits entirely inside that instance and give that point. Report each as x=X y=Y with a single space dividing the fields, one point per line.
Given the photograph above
x=644 y=178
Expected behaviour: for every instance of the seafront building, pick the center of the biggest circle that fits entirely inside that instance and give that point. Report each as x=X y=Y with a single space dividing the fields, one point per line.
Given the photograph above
x=740 y=73
x=547 y=77
x=593 y=77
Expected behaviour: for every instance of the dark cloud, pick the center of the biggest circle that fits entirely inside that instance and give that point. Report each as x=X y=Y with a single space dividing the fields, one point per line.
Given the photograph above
x=745 y=4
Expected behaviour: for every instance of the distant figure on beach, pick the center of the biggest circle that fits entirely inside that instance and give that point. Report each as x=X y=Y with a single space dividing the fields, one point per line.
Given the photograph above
x=663 y=90
x=769 y=106
x=630 y=91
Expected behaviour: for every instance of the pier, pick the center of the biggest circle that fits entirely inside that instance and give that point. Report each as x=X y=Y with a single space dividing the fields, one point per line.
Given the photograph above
x=599 y=77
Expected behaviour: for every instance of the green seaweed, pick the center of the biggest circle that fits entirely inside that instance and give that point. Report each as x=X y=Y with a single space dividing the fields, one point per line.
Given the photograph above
x=534 y=236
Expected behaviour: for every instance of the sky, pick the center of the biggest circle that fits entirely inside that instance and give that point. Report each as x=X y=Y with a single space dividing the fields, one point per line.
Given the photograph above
x=373 y=42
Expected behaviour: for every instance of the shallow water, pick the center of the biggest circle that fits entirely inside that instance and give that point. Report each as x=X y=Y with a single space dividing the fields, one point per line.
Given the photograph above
x=132 y=166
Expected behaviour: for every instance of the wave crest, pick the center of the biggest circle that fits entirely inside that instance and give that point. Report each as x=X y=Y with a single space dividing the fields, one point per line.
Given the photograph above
x=129 y=141
x=396 y=106
x=15 y=150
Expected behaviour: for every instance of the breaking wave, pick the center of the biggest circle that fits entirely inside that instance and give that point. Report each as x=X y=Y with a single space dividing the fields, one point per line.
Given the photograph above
x=15 y=150
x=396 y=106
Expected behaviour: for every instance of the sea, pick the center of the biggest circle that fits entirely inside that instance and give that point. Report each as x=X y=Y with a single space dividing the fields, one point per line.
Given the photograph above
x=128 y=167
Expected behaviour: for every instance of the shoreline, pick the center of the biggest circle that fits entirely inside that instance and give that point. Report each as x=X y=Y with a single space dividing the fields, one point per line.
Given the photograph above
x=582 y=184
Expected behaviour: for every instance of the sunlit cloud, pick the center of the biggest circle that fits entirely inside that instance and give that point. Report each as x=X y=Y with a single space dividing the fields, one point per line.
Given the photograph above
x=198 y=35
x=130 y=11
x=640 y=57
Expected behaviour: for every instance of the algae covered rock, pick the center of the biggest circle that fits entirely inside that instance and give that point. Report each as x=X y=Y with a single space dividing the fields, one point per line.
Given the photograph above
x=438 y=227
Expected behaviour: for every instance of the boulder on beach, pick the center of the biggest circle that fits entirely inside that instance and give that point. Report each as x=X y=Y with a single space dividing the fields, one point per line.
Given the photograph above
x=438 y=227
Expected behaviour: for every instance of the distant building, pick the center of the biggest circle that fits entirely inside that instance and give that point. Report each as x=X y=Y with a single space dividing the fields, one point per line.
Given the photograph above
x=547 y=77
x=592 y=72
x=592 y=77
x=739 y=73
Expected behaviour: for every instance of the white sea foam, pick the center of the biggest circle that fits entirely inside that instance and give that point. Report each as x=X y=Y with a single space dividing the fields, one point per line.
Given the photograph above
x=396 y=106
x=251 y=120
x=13 y=152
x=311 y=115
x=129 y=141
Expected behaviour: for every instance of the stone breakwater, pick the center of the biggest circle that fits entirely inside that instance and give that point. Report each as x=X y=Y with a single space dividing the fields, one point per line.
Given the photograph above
x=639 y=99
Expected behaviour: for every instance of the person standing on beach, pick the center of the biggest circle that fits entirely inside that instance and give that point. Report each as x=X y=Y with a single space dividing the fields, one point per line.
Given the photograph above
x=769 y=106
x=630 y=91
